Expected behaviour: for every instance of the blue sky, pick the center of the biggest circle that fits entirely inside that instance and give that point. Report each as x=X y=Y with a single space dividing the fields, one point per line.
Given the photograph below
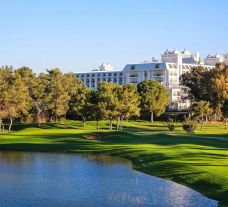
x=78 y=35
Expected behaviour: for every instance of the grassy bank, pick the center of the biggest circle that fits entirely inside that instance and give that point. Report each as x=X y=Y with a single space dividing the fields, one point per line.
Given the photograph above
x=199 y=161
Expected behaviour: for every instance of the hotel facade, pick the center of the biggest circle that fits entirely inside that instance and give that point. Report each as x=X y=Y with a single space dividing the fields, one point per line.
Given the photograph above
x=167 y=72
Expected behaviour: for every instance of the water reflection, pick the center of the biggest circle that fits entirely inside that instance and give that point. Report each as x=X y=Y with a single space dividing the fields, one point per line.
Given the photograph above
x=49 y=179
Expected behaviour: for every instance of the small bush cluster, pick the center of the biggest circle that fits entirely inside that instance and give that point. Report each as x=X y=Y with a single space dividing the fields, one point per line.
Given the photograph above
x=171 y=127
x=189 y=127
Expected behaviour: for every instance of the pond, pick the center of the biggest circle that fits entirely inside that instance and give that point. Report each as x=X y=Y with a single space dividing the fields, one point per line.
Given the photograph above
x=65 y=180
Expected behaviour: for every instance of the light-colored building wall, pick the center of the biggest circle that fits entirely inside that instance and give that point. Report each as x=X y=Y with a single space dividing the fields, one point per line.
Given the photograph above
x=226 y=58
x=213 y=60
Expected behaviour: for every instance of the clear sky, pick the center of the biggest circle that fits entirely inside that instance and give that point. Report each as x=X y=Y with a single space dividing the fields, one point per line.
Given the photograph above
x=78 y=35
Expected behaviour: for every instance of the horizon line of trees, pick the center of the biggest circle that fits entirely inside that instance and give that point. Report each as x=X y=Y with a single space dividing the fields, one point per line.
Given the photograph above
x=47 y=97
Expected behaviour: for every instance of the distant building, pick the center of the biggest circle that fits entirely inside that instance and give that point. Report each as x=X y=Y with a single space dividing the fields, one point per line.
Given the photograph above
x=180 y=57
x=168 y=71
x=213 y=59
x=226 y=58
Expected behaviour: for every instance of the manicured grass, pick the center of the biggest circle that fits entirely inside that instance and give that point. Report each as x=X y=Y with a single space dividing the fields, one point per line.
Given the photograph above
x=199 y=161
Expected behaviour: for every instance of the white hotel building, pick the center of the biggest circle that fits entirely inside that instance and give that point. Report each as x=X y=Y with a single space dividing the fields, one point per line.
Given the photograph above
x=167 y=72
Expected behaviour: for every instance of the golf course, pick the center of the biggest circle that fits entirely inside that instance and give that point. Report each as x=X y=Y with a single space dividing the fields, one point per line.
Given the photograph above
x=199 y=161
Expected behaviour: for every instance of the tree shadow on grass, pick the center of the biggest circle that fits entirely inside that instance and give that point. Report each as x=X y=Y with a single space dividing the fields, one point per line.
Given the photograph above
x=19 y=127
x=126 y=138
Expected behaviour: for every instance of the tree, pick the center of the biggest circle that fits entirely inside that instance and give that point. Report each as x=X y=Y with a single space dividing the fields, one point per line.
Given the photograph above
x=128 y=103
x=201 y=84
x=6 y=76
x=56 y=93
x=34 y=87
x=14 y=98
x=108 y=100
x=196 y=84
x=218 y=87
x=79 y=104
x=225 y=112
x=154 y=97
x=98 y=108
x=201 y=110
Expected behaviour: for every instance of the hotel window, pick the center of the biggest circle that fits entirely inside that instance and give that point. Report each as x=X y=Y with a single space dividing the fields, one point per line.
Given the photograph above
x=145 y=74
x=114 y=74
x=120 y=74
x=82 y=75
x=158 y=74
x=98 y=75
x=133 y=74
x=110 y=74
x=183 y=66
x=104 y=79
x=93 y=75
x=187 y=67
x=109 y=80
x=157 y=65
x=87 y=75
x=132 y=67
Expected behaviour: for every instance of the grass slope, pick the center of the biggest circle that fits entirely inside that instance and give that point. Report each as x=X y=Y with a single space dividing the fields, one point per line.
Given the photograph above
x=199 y=161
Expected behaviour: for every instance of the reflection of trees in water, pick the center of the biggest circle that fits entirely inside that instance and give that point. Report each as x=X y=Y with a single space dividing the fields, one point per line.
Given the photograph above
x=12 y=157
x=9 y=158
x=128 y=198
x=105 y=159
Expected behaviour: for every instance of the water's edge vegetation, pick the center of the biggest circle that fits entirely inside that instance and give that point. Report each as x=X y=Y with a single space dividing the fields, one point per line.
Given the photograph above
x=198 y=161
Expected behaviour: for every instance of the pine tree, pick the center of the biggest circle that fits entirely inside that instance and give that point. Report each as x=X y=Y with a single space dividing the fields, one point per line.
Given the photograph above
x=154 y=97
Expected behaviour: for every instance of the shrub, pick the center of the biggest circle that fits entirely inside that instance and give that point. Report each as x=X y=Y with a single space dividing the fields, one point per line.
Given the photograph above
x=189 y=127
x=28 y=119
x=171 y=127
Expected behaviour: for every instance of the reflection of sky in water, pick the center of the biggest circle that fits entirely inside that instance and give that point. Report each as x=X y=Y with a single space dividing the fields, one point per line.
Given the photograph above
x=44 y=179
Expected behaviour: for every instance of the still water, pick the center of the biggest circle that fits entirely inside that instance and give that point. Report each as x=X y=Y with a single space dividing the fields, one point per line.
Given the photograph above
x=65 y=180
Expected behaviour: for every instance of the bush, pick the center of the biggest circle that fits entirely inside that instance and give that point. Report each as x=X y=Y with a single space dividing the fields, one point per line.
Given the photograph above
x=171 y=127
x=28 y=119
x=189 y=127
x=62 y=121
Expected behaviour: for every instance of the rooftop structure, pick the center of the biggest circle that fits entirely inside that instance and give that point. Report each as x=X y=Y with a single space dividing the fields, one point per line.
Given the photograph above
x=180 y=57
x=213 y=59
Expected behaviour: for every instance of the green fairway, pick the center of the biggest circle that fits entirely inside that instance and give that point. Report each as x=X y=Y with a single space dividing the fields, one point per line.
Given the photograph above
x=199 y=161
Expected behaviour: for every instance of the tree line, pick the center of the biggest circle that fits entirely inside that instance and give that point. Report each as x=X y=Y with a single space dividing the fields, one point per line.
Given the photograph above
x=208 y=91
x=47 y=97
